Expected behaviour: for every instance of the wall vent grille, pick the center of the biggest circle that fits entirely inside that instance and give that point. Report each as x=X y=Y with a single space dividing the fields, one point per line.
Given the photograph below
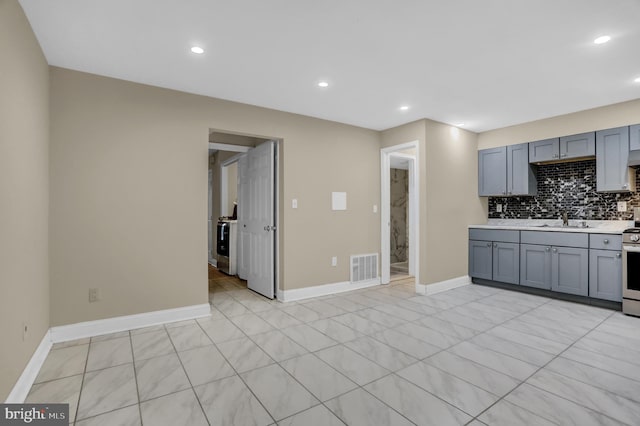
x=364 y=267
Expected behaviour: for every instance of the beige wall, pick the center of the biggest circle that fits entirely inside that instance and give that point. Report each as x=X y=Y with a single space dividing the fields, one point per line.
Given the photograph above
x=24 y=193
x=615 y=115
x=129 y=194
x=452 y=202
x=449 y=202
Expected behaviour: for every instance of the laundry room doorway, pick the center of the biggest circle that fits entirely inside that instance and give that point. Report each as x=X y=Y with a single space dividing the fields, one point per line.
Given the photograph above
x=243 y=210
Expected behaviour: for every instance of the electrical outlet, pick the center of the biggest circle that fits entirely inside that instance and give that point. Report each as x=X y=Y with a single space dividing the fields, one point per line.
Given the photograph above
x=294 y=203
x=622 y=206
x=499 y=208
x=375 y=208
x=94 y=295
x=334 y=261
x=25 y=331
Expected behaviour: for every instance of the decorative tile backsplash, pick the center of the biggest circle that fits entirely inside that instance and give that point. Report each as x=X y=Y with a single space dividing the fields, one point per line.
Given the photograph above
x=569 y=187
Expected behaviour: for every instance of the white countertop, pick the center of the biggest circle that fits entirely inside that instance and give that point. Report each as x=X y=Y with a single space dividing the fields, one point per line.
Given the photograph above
x=555 y=225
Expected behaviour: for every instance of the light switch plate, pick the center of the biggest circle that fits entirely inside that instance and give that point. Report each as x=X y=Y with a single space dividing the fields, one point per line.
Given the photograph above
x=375 y=208
x=294 y=203
x=334 y=261
x=622 y=206
x=499 y=208
x=339 y=200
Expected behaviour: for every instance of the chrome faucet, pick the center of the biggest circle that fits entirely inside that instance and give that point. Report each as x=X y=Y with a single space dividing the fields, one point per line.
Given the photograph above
x=565 y=219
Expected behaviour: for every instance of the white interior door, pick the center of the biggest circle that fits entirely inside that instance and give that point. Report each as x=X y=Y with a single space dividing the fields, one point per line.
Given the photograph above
x=243 y=215
x=259 y=221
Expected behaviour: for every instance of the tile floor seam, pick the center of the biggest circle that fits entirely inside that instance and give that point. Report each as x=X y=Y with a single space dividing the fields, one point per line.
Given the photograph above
x=135 y=376
x=238 y=375
x=535 y=372
x=184 y=370
x=84 y=372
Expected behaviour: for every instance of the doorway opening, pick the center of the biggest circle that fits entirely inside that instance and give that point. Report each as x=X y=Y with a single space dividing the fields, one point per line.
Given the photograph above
x=243 y=213
x=399 y=214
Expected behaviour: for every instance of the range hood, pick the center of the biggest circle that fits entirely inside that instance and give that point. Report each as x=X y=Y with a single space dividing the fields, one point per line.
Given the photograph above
x=634 y=158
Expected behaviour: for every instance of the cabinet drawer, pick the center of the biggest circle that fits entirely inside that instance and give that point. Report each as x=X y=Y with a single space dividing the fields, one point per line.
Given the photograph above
x=502 y=235
x=605 y=241
x=561 y=239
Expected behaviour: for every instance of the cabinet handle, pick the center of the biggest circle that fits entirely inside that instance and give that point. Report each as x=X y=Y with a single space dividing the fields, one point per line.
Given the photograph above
x=624 y=186
x=618 y=255
x=504 y=193
x=555 y=155
x=547 y=249
x=606 y=241
x=563 y=155
x=555 y=250
x=510 y=193
x=495 y=245
x=488 y=244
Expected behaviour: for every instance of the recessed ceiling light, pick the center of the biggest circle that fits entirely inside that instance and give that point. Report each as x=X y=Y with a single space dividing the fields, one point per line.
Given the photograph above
x=323 y=84
x=404 y=108
x=197 y=49
x=602 y=39
x=637 y=80
x=460 y=125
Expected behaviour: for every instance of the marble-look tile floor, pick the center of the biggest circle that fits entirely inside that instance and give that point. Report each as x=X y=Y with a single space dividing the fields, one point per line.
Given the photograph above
x=379 y=356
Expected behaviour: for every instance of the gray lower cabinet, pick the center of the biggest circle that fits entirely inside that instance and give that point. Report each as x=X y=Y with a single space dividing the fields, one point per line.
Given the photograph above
x=612 y=161
x=605 y=274
x=506 y=262
x=535 y=266
x=497 y=261
x=481 y=259
x=570 y=270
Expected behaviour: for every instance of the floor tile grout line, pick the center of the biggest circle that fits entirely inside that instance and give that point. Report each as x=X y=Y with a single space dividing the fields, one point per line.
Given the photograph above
x=84 y=372
x=135 y=378
x=184 y=370
x=534 y=373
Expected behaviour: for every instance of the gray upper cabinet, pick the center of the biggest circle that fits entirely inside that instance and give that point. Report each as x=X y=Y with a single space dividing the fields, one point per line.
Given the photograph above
x=506 y=171
x=612 y=155
x=634 y=137
x=570 y=270
x=521 y=179
x=544 y=150
x=578 y=146
x=492 y=176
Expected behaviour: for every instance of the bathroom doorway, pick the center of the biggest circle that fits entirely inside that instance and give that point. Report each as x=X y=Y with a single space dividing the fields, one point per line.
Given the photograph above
x=399 y=213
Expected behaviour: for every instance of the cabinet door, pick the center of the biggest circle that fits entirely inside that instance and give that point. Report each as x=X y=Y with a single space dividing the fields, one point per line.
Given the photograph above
x=535 y=266
x=605 y=274
x=612 y=155
x=492 y=171
x=570 y=270
x=544 y=150
x=506 y=262
x=480 y=259
x=577 y=146
x=521 y=179
x=634 y=137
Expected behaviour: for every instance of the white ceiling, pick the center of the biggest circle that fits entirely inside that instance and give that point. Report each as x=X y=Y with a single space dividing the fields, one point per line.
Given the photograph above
x=485 y=63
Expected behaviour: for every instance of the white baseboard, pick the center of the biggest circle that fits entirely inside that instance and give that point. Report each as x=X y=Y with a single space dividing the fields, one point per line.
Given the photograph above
x=323 y=290
x=81 y=330
x=25 y=381
x=213 y=262
x=447 y=285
